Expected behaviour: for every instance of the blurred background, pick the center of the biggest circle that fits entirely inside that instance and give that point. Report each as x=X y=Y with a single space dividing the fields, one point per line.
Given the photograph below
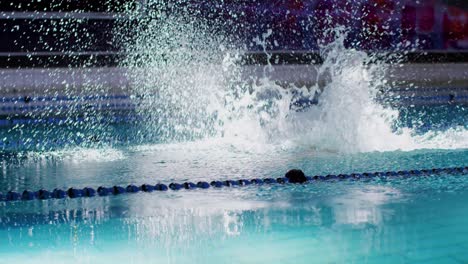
x=52 y=28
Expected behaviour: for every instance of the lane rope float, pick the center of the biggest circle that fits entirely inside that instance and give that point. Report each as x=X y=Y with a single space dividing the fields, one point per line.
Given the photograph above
x=291 y=177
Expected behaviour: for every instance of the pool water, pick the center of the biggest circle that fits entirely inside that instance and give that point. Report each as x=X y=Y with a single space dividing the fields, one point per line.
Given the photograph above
x=393 y=220
x=381 y=220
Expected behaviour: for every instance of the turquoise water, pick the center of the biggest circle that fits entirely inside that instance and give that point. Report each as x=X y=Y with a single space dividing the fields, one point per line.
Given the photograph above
x=383 y=220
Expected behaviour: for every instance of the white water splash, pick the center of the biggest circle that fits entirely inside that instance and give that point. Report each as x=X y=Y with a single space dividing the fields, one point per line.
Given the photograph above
x=194 y=89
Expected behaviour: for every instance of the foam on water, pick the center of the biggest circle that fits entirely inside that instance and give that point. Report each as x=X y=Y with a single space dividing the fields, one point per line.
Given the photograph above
x=78 y=155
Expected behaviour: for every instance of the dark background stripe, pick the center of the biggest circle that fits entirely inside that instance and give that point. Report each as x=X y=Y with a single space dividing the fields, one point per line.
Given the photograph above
x=47 y=35
x=67 y=5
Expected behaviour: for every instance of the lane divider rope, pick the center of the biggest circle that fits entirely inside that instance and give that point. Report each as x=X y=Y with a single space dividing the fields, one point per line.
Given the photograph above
x=58 y=193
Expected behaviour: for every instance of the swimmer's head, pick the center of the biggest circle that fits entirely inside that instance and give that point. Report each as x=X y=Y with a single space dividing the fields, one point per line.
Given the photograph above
x=296 y=176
